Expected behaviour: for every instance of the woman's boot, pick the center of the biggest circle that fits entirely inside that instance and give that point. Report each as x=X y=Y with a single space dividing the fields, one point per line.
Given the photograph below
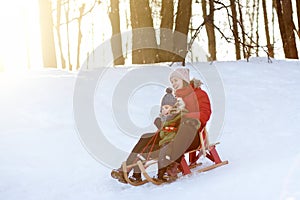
x=172 y=171
x=136 y=177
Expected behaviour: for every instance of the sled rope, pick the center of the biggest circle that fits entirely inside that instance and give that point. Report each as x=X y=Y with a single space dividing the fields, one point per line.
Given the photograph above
x=152 y=146
x=153 y=139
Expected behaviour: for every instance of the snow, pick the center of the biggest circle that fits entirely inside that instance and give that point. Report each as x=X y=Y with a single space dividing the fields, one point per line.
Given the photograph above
x=43 y=157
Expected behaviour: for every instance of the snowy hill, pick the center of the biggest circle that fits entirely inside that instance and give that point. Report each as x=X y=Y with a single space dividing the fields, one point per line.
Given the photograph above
x=42 y=156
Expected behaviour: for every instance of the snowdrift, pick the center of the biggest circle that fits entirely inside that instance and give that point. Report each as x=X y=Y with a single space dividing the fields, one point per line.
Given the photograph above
x=42 y=156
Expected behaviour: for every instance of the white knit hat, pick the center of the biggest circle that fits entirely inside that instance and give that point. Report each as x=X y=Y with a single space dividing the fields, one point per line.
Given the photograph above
x=182 y=73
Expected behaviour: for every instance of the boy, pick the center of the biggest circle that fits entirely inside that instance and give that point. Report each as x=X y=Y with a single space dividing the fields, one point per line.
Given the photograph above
x=171 y=112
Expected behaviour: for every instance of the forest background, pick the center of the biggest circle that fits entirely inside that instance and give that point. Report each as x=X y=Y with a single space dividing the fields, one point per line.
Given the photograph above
x=65 y=33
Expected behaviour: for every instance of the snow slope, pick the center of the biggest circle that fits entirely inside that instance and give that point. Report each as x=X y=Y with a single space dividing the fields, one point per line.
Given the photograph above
x=41 y=156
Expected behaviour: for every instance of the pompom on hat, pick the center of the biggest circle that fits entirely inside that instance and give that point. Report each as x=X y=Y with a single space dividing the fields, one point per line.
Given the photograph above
x=181 y=73
x=169 y=98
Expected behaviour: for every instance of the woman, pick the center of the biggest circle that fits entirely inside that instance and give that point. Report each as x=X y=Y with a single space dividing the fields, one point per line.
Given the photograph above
x=199 y=110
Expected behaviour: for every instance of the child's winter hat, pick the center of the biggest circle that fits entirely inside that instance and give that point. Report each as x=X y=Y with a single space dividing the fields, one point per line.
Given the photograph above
x=182 y=73
x=169 y=98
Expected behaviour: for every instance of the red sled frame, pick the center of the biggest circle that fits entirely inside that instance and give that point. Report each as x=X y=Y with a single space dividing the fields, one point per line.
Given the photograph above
x=208 y=151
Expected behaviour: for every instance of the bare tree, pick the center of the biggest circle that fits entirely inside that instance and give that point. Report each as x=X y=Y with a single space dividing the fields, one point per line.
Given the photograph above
x=286 y=26
x=257 y=28
x=281 y=26
x=67 y=11
x=210 y=29
x=143 y=33
x=79 y=37
x=116 y=40
x=184 y=11
x=242 y=28
x=289 y=28
x=269 y=46
x=298 y=15
x=46 y=24
x=235 y=29
x=166 y=31
x=58 y=20
x=251 y=19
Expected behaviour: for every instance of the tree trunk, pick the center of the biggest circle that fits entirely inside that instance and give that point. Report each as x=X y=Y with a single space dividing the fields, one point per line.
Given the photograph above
x=235 y=30
x=252 y=16
x=184 y=11
x=242 y=28
x=284 y=13
x=81 y=9
x=210 y=29
x=281 y=26
x=289 y=28
x=144 y=46
x=58 y=17
x=46 y=24
x=257 y=28
x=67 y=10
x=116 y=40
x=273 y=21
x=269 y=46
x=166 y=31
x=298 y=16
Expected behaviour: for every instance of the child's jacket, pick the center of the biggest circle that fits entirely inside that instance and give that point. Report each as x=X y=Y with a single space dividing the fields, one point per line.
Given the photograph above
x=169 y=129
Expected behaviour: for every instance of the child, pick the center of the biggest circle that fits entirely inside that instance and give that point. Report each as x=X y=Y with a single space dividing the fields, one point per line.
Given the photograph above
x=167 y=112
x=166 y=123
x=170 y=116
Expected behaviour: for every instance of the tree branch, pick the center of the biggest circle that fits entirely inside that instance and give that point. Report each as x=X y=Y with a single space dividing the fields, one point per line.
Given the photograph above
x=96 y=2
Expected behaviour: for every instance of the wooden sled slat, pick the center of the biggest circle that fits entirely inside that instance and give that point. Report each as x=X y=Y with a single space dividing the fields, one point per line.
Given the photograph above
x=195 y=165
x=128 y=180
x=212 y=166
x=145 y=163
x=155 y=182
x=207 y=148
x=146 y=175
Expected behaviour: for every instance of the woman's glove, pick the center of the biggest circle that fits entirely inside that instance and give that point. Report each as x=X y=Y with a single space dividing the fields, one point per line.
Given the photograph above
x=191 y=122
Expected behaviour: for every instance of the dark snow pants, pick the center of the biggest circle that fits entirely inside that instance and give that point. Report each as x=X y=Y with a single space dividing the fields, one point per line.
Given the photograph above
x=186 y=139
x=142 y=145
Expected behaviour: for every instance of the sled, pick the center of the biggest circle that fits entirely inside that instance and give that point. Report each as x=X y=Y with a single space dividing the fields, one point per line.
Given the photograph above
x=205 y=149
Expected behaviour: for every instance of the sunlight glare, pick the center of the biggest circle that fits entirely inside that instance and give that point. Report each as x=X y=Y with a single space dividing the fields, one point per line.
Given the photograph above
x=19 y=37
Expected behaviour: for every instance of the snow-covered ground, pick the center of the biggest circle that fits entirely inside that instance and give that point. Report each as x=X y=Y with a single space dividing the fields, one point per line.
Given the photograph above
x=42 y=157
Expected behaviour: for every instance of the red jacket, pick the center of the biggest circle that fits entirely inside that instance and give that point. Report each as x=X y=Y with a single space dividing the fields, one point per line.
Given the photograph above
x=196 y=102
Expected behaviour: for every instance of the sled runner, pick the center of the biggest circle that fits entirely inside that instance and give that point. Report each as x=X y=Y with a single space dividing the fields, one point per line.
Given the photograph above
x=205 y=149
